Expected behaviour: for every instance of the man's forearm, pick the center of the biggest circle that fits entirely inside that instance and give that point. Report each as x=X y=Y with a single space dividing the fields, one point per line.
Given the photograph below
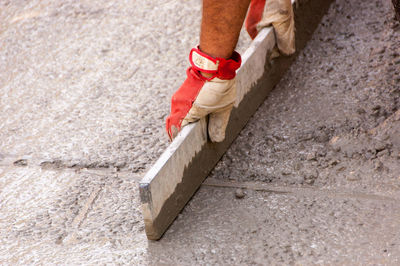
x=221 y=24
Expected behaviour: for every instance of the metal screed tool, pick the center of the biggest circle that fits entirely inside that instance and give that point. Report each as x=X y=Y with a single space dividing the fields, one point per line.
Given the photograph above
x=184 y=165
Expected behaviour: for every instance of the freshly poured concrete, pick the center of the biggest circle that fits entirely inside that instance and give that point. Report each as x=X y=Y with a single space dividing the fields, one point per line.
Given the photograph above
x=61 y=214
x=85 y=88
x=334 y=119
x=268 y=228
x=319 y=162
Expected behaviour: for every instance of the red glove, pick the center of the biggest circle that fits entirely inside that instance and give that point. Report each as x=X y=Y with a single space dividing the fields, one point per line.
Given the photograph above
x=200 y=96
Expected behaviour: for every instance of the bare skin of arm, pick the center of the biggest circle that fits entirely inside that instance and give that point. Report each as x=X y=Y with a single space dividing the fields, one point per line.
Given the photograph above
x=220 y=26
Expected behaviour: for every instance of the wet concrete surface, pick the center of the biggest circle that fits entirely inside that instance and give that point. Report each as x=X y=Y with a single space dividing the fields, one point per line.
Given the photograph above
x=333 y=120
x=85 y=88
x=79 y=82
x=267 y=228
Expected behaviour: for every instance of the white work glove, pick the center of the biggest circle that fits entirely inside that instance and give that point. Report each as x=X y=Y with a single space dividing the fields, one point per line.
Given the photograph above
x=200 y=96
x=279 y=14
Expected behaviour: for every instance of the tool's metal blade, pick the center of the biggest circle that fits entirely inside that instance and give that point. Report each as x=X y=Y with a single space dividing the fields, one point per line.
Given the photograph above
x=181 y=169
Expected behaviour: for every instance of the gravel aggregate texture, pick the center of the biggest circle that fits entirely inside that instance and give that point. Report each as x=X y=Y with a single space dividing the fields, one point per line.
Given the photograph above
x=333 y=120
x=85 y=86
x=267 y=228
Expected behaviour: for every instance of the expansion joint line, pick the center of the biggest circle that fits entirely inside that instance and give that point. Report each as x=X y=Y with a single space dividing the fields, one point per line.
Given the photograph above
x=308 y=191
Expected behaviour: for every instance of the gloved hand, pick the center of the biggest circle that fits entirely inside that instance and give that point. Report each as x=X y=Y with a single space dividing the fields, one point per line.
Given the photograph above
x=279 y=14
x=200 y=96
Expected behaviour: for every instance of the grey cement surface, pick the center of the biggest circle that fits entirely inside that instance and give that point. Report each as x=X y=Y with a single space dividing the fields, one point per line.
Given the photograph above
x=331 y=126
x=88 y=83
x=79 y=83
x=84 y=85
x=333 y=120
x=281 y=229
x=67 y=217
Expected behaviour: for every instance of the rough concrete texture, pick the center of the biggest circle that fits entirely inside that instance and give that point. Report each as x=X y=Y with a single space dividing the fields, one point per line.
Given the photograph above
x=267 y=228
x=331 y=125
x=333 y=120
x=84 y=85
x=67 y=217
x=79 y=83
x=88 y=83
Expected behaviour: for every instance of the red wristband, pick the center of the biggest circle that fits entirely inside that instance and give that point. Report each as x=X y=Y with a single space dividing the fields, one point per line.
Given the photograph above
x=220 y=67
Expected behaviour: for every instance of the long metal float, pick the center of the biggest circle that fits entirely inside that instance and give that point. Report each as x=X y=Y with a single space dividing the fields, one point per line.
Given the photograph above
x=181 y=169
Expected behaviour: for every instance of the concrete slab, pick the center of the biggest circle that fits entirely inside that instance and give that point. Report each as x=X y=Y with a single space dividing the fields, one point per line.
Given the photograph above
x=309 y=202
x=332 y=121
x=55 y=196
x=269 y=228
x=88 y=83
x=69 y=217
x=175 y=177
